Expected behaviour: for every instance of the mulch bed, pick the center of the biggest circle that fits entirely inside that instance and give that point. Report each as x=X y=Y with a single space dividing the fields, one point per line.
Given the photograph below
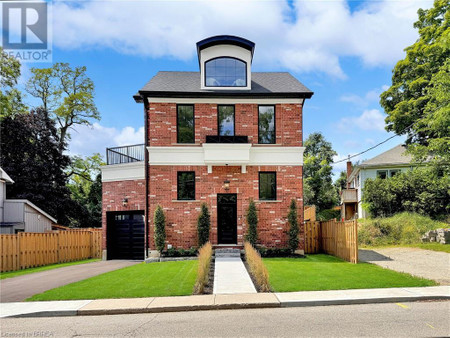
x=208 y=290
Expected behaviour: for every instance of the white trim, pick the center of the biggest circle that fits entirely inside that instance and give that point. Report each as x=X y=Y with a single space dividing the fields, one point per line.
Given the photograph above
x=123 y=172
x=5 y=177
x=256 y=100
x=39 y=210
x=212 y=154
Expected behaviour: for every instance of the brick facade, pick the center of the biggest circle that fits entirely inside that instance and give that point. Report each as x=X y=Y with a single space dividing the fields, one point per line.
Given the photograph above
x=114 y=192
x=182 y=216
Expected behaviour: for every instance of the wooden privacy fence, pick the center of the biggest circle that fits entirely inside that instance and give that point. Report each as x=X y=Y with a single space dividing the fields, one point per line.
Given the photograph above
x=27 y=250
x=332 y=237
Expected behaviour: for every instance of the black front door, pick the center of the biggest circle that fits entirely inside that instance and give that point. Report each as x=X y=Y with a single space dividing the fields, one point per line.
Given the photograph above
x=227 y=218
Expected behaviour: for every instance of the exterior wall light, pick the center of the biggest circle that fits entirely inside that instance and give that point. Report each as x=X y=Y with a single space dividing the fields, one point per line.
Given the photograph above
x=125 y=201
x=226 y=185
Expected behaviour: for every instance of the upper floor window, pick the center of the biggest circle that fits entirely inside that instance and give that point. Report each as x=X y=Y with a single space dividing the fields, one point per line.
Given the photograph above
x=226 y=120
x=225 y=72
x=382 y=174
x=266 y=124
x=185 y=124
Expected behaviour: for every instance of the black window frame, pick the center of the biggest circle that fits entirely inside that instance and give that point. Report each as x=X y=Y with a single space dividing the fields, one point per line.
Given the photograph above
x=193 y=125
x=382 y=171
x=234 y=118
x=259 y=185
x=179 y=173
x=225 y=57
x=274 y=122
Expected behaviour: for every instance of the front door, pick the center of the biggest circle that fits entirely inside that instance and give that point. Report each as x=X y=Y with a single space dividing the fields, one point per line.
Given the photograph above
x=227 y=218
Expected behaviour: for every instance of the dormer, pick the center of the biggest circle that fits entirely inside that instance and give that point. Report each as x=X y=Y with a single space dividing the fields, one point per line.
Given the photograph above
x=225 y=62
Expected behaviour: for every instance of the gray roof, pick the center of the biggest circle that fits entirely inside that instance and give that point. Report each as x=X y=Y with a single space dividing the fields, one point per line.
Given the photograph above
x=263 y=84
x=394 y=156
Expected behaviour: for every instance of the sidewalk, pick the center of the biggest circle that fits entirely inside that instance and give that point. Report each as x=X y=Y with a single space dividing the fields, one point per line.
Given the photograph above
x=222 y=301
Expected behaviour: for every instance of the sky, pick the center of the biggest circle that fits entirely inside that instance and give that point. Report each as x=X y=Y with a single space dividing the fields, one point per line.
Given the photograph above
x=344 y=51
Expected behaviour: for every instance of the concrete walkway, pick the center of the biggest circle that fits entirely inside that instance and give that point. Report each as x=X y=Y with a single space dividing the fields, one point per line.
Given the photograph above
x=231 y=277
x=19 y=288
x=217 y=302
x=428 y=264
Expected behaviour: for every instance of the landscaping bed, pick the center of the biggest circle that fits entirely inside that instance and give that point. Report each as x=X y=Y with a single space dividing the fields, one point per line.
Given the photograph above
x=324 y=272
x=140 y=280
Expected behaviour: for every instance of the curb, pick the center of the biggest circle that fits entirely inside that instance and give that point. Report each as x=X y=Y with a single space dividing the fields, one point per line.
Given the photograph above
x=232 y=305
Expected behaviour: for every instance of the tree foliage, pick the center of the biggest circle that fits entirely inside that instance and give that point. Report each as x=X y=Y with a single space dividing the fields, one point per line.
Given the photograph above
x=10 y=97
x=252 y=224
x=67 y=93
x=160 y=228
x=30 y=155
x=421 y=190
x=418 y=101
x=317 y=182
x=293 y=226
x=203 y=225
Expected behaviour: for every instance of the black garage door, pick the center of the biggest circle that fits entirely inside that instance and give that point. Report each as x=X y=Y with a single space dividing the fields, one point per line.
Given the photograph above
x=125 y=235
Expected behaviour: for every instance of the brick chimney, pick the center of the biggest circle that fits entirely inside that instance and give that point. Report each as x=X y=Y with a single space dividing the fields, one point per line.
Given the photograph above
x=349 y=170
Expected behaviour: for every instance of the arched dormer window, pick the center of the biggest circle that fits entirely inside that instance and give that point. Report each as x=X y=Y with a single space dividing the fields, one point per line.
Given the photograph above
x=225 y=72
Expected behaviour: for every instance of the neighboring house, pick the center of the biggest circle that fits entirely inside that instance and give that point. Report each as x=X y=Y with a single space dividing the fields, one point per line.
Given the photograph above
x=384 y=166
x=20 y=215
x=221 y=136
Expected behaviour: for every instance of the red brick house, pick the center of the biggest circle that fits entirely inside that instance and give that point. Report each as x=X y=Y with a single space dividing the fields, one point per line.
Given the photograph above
x=222 y=136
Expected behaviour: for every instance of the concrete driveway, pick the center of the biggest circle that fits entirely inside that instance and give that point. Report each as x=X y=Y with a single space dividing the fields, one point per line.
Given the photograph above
x=428 y=264
x=19 y=288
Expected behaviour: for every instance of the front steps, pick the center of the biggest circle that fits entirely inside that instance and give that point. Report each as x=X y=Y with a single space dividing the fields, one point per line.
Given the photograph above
x=227 y=252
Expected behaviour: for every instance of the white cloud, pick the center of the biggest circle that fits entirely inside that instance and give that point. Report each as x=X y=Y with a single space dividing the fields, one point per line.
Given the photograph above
x=371 y=119
x=365 y=100
x=310 y=36
x=87 y=140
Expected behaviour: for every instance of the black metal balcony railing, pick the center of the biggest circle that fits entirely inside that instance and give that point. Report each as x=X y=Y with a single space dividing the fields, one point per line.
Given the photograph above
x=226 y=139
x=125 y=154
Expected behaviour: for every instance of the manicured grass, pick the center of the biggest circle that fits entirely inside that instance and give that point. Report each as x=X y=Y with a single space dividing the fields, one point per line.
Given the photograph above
x=10 y=274
x=141 y=280
x=324 y=272
x=424 y=246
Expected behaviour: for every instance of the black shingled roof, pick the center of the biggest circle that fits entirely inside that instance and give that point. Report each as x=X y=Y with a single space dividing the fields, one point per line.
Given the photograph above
x=187 y=84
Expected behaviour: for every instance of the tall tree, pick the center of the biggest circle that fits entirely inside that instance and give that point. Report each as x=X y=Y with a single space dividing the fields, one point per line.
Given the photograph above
x=418 y=101
x=30 y=155
x=317 y=169
x=67 y=93
x=10 y=97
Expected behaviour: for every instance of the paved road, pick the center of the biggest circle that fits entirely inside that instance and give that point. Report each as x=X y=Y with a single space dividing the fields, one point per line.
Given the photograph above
x=423 y=263
x=19 y=288
x=421 y=319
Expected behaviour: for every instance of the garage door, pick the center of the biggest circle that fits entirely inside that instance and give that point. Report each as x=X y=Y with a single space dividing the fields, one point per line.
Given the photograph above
x=125 y=235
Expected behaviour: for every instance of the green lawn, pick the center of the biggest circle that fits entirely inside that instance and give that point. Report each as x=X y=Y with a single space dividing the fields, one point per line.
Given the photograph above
x=425 y=246
x=324 y=272
x=10 y=274
x=141 y=280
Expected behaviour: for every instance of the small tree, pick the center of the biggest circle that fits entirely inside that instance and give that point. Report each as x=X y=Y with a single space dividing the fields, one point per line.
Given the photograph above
x=160 y=228
x=293 y=230
x=203 y=225
x=252 y=223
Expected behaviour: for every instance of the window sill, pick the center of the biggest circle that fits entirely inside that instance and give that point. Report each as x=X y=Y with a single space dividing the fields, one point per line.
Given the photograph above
x=185 y=201
x=269 y=201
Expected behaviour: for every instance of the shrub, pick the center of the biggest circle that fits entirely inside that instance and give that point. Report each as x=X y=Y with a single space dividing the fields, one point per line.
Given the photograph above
x=252 y=223
x=422 y=190
x=274 y=252
x=402 y=228
x=328 y=214
x=293 y=229
x=172 y=252
x=257 y=268
x=160 y=228
x=203 y=225
x=204 y=264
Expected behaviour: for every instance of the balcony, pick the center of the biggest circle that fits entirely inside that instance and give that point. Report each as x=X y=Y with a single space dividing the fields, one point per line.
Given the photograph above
x=226 y=139
x=125 y=154
x=349 y=196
